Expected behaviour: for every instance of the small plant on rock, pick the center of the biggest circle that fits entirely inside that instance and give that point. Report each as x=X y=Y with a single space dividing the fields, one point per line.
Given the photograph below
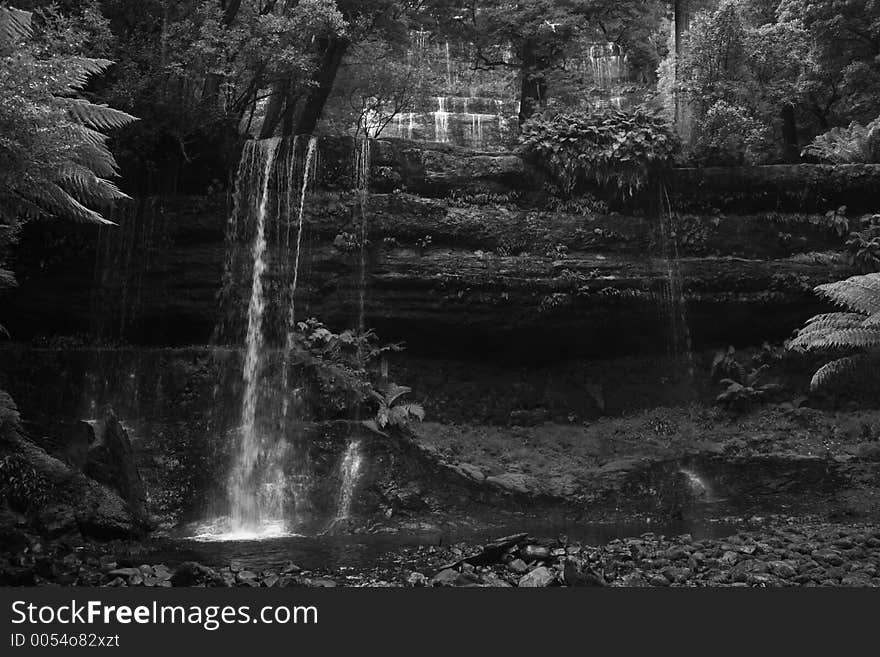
x=393 y=412
x=742 y=394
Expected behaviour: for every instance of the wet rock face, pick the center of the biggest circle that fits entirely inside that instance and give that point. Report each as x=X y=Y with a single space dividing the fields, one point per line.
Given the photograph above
x=112 y=461
x=444 y=276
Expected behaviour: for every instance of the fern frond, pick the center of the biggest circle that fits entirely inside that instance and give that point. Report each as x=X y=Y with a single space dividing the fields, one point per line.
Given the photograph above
x=859 y=293
x=834 y=320
x=851 y=338
x=98 y=117
x=392 y=392
x=60 y=203
x=84 y=184
x=413 y=409
x=841 y=367
x=15 y=25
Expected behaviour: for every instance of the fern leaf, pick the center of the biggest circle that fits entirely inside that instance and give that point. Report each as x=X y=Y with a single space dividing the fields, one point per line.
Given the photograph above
x=60 y=203
x=834 y=320
x=98 y=117
x=393 y=392
x=859 y=293
x=853 y=338
x=15 y=25
x=838 y=368
x=413 y=409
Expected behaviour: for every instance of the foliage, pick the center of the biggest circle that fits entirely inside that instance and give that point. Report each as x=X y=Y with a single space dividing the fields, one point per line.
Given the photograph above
x=855 y=144
x=21 y=486
x=864 y=245
x=840 y=81
x=745 y=390
x=53 y=155
x=727 y=135
x=726 y=366
x=392 y=411
x=615 y=149
x=856 y=328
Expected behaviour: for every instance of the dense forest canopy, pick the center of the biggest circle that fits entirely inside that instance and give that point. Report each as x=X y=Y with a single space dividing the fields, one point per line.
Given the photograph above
x=756 y=80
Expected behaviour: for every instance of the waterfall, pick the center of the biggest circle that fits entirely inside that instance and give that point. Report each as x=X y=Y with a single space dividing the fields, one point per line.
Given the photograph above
x=269 y=479
x=441 y=121
x=673 y=299
x=291 y=308
x=351 y=462
x=607 y=64
x=252 y=508
x=350 y=470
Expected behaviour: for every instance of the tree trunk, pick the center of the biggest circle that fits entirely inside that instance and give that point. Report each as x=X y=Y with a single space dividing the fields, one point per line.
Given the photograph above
x=791 y=151
x=322 y=86
x=275 y=108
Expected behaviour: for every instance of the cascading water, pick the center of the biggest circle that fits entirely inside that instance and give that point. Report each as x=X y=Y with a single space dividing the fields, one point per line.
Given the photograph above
x=267 y=483
x=254 y=481
x=673 y=300
x=350 y=470
x=351 y=462
x=441 y=121
x=308 y=171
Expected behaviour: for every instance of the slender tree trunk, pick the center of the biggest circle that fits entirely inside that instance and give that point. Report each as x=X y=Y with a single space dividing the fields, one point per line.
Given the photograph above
x=791 y=150
x=275 y=108
x=322 y=80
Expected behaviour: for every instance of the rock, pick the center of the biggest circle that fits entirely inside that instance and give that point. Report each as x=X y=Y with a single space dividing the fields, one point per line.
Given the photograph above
x=191 y=573
x=534 y=553
x=657 y=580
x=270 y=580
x=492 y=580
x=448 y=577
x=634 y=580
x=472 y=471
x=417 y=579
x=246 y=578
x=514 y=482
x=856 y=579
x=782 y=569
x=289 y=569
x=575 y=573
x=161 y=572
x=124 y=572
x=676 y=575
x=111 y=461
x=539 y=578
x=518 y=566
x=827 y=556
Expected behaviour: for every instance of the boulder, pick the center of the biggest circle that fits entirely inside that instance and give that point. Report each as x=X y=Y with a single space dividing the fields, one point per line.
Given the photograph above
x=111 y=461
x=540 y=577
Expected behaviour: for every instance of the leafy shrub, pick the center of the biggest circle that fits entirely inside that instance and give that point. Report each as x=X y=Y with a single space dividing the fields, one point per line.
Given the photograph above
x=855 y=144
x=855 y=329
x=727 y=135
x=616 y=149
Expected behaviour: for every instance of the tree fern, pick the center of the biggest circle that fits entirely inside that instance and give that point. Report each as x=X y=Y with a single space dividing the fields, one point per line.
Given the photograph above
x=856 y=328
x=54 y=159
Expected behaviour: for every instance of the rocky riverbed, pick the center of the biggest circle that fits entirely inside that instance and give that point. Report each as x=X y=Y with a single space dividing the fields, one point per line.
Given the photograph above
x=782 y=553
